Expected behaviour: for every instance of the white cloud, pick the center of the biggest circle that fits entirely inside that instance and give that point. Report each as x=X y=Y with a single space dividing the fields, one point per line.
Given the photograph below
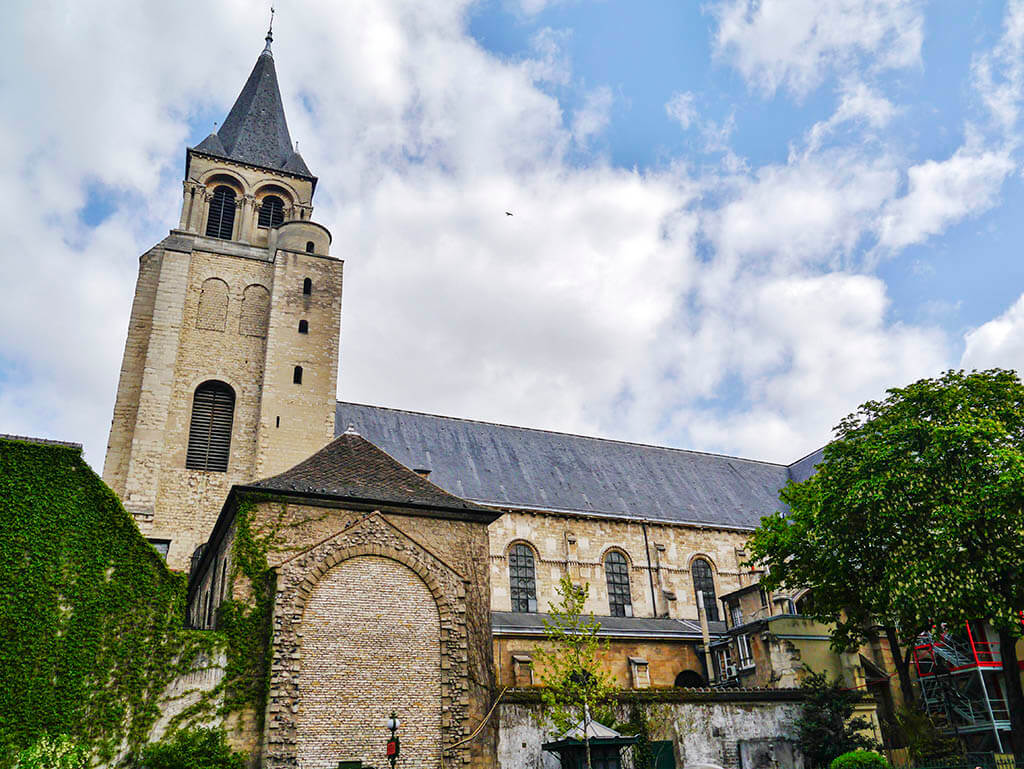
x=795 y=44
x=940 y=193
x=998 y=343
x=859 y=103
x=999 y=74
x=682 y=109
x=593 y=117
x=614 y=301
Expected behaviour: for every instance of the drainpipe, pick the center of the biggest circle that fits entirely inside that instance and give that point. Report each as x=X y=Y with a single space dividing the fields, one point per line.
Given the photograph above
x=650 y=572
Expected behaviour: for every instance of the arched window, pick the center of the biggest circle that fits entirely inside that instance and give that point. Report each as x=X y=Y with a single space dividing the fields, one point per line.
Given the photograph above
x=221 y=221
x=307 y=286
x=303 y=326
x=704 y=583
x=616 y=571
x=252 y=320
x=805 y=604
x=209 y=434
x=522 y=578
x=297 y=375
x=310 y=246
x=213 y=305
x=271 y=212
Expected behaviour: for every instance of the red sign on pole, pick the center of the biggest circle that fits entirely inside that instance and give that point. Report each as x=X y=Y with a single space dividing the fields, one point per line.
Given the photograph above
x=392 y=748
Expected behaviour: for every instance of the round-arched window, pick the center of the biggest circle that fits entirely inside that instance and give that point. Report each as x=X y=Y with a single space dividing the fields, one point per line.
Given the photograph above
x=616 y=572
x=522 y=577
x=704 y=587
x=221 y=221
x=209 y=434
x=271 y=212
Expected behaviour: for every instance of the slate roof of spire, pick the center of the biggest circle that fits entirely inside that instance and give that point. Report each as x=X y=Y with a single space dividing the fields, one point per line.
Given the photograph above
x=516 y=467
x=353 y=469
x=256 y=131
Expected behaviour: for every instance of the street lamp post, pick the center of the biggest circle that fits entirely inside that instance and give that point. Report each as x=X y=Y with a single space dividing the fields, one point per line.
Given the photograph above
x=393 y=744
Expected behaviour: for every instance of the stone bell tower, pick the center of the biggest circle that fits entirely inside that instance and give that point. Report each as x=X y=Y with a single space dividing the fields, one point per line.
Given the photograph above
x=231 y=360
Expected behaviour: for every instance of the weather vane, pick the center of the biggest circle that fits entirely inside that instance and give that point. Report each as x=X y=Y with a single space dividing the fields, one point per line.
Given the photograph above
x=270 y=31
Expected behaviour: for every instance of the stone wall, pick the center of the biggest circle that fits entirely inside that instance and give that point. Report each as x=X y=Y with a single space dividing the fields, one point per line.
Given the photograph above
x=172 y=348
x=371 y=644
x=308 y=544
x=577 y=545
x=665 y=660
x=702 y=732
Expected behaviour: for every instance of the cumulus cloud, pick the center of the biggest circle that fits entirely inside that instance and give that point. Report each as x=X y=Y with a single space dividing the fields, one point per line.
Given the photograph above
x=794 y=44
x=721 y=309
x=942 y=192
x=998 y=343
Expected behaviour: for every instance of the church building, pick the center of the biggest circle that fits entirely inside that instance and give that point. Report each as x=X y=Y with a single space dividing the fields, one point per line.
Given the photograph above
x=414 y=554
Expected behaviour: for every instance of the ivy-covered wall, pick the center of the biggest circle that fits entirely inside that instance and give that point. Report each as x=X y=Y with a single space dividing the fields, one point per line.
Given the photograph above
x=91 y=621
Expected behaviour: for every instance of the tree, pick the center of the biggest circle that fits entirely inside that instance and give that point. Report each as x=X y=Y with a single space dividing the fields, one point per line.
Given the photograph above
x=915 y=516
x=826 y=729
x=576 y=687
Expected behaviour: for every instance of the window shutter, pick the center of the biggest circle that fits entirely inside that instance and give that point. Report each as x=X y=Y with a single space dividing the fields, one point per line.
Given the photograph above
x=209 y=435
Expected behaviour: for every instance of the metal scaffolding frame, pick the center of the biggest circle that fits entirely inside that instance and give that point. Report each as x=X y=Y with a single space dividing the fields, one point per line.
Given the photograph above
x=960 y=674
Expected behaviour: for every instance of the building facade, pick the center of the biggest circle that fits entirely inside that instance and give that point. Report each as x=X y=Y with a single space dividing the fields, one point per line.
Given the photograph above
x=414 y=555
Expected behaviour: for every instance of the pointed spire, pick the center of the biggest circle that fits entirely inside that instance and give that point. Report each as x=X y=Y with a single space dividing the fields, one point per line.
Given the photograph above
x=255 y=130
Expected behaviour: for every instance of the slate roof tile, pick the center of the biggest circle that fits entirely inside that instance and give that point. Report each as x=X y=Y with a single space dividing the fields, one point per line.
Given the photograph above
x=516 y=467
x=352 y=468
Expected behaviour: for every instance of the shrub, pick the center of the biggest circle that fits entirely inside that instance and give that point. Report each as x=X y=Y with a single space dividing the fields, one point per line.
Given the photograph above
x=192 y=749
x=827 y=728
x=860 y=759
x=53 y=753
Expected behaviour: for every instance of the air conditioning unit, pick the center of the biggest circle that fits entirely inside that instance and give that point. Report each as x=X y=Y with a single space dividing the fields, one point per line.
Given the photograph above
x=730 y=671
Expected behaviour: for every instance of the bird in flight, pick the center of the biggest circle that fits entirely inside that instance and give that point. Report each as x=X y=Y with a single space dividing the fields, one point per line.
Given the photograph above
x=508 y=213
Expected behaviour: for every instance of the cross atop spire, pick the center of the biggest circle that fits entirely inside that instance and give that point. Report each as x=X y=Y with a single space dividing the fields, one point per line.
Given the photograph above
x=270 y=34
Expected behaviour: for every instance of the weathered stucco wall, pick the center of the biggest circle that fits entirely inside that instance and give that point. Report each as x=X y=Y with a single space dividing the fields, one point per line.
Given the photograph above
x=701 y=732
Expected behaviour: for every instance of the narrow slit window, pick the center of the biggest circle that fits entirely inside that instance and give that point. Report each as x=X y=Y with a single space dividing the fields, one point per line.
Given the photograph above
x=209 y=434
x=303 y=326
x=310 y=246
x=522 y=578
x=704 y=583
x=221 y=221
x=297 y=375
x=616 y=572
x=307 y=286
x=271 y=212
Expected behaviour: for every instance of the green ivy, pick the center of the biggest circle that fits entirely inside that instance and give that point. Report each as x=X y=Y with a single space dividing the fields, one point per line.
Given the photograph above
x=91 y=620
x=247 y=623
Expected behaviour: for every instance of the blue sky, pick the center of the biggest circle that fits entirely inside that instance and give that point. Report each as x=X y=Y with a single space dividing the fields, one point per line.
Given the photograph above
x=734 y=220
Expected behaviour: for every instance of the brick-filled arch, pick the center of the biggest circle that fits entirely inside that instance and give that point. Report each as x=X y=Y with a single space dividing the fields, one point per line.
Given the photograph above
x=297 y=579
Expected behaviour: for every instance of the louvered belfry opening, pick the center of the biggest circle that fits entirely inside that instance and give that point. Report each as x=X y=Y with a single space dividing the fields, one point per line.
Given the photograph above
x=221 y=221
x=271 y=212
x=209 y=435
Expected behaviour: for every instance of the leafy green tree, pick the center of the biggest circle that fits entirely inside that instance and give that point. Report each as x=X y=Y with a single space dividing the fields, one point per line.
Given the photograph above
x=576 y=686
x=827 y=729
x=915 y=516
x=202 y=748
